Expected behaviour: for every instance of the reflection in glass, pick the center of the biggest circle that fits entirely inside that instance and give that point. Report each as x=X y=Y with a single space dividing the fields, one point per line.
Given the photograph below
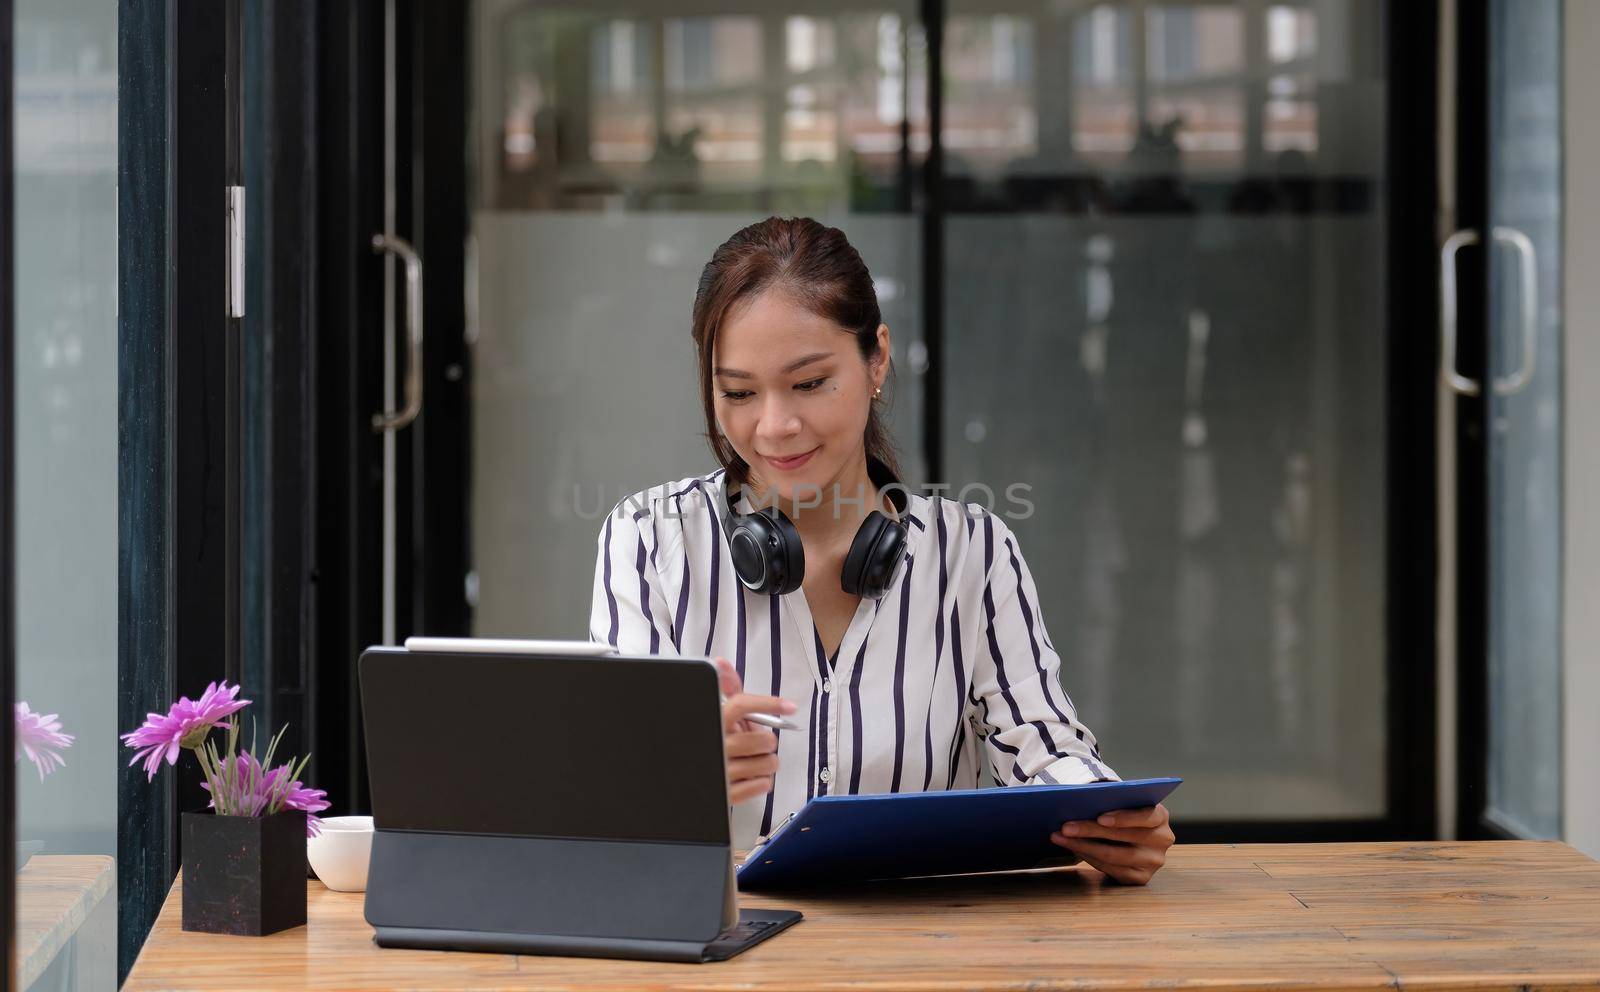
x=1102 y=82
x=66 y=527
x=739 y=110
x=616 y=150
x=1166 y=315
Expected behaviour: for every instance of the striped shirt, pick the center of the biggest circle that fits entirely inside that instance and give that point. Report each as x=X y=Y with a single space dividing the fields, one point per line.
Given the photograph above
x=950 y=668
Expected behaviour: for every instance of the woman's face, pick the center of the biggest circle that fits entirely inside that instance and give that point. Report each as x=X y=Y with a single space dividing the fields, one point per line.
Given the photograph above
x=792 y=394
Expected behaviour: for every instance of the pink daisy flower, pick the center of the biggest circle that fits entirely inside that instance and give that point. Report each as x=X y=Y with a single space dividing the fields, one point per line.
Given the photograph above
x=248 y=790
x=308 y=801
x=244 y=788
x=39 y=737
x=184 y=726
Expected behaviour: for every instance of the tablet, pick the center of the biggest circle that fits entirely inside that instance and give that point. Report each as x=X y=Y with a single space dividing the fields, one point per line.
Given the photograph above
x=535 y=834
x=837 y=839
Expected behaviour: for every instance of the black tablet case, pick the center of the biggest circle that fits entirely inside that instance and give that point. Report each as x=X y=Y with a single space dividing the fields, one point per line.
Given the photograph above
x=546 y=804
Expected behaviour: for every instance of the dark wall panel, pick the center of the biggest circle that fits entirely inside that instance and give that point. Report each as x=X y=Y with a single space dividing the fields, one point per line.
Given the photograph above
x=172 y=387
x=145 y=857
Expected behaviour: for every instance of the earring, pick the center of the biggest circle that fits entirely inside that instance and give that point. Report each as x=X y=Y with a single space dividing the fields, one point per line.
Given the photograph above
x=877 y=394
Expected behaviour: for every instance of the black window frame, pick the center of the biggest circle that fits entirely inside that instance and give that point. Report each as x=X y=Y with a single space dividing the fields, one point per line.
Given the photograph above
x=1472 y=447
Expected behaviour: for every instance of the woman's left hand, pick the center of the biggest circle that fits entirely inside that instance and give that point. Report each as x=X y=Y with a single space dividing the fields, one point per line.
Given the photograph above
x=1128 y=845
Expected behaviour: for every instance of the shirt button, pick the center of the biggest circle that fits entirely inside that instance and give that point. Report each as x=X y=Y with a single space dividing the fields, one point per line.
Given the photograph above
x=825 y=775
x=827 y=685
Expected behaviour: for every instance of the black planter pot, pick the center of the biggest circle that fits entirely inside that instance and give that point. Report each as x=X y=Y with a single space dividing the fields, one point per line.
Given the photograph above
x=243 y=874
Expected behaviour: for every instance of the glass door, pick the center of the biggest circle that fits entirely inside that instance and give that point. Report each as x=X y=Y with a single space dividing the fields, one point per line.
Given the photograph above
x=1138 y=257
x=1178 y=218
x=1148 y=259
x=1509 y=246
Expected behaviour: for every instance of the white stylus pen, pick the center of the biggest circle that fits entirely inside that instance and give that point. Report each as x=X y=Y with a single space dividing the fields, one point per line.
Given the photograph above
x=775 y=722
x=767 y=720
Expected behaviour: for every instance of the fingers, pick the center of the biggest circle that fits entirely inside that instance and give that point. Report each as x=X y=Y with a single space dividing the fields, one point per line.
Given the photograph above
x=751 y=777
x=740 y=706
x=729 y=685
x=1149 y=816
x=1160 y=837
x=1111 y=852
x=752 y=760
x=728 y=678
x=749 y=748
x=748 y=789
x=1131 y=864
x=1114 y=868
x=1129 y=846
x=757 y=766
x=749 y=743
x=1118 y=873
x=1147 y=827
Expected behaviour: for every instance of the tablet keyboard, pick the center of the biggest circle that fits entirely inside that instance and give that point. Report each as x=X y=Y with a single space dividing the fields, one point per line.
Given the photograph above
x=737 y=937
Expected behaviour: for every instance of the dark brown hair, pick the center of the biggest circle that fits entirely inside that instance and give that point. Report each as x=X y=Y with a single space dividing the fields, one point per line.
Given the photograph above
x=817 y=267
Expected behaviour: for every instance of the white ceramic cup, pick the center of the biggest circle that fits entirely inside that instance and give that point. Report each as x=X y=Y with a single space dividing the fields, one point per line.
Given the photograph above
x=340 y=854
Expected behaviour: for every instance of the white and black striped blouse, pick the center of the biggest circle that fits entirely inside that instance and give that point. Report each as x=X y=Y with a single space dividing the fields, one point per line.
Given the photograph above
x=952 y=661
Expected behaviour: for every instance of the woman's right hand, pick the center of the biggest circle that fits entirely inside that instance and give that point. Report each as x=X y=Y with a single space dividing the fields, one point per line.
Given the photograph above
x=750 y=749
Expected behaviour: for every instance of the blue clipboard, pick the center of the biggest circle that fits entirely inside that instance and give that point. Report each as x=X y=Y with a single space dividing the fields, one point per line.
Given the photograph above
x=860 y=838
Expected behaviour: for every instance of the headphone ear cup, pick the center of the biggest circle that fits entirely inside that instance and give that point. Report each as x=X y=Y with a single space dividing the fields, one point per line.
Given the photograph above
x=746 y=546
x=854 y=572
x=874 y=555
x=787 y=551
x=767 y=553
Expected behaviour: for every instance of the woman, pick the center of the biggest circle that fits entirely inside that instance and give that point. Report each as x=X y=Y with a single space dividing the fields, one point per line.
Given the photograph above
x=901 y=633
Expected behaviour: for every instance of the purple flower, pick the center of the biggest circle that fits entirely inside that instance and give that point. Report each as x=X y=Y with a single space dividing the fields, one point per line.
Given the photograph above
x=248 y=790
x=39 y=737
x=245 y=790
x=185 y=726
x=311 y=802
x=240 y=784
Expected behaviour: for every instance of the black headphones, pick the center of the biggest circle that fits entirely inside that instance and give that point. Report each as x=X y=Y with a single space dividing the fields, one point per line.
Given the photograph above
x=768 y=557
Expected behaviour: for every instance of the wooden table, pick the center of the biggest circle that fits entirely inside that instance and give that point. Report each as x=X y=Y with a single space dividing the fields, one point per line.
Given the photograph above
x=1515 y=915
x=56 y=896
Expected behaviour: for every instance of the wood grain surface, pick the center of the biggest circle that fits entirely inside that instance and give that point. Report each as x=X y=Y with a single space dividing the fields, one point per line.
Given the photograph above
x=1514 y=915
x=55 y=895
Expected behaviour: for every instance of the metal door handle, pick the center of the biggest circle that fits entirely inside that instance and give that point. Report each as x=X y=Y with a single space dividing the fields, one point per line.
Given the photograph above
x=395 y=420
x=1528 y=269
x=1447 y=314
